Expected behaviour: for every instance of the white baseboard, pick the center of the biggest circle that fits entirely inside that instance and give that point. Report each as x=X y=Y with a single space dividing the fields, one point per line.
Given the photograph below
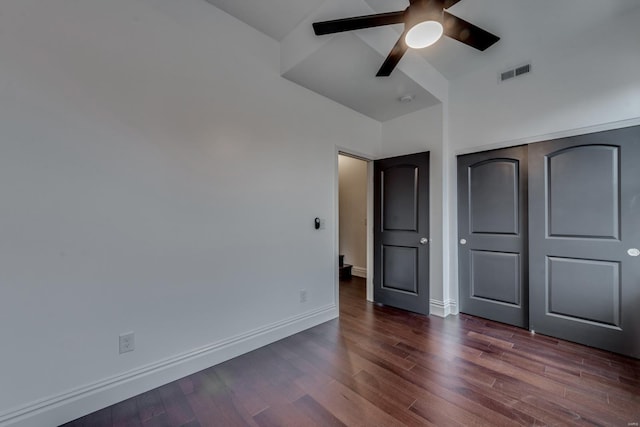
x=359 y=271
x=443 y=308
x=65 y=407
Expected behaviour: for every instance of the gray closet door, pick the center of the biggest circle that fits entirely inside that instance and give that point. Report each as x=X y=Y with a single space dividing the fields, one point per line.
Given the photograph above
x=584 y=217
x=492 y=233
x=401 y=233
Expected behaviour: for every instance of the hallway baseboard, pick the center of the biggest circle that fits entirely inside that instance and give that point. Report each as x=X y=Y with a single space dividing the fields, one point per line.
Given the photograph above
x=359 y=271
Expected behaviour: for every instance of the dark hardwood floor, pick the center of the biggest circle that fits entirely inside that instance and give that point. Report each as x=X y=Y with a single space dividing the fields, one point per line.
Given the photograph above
x=378 y=366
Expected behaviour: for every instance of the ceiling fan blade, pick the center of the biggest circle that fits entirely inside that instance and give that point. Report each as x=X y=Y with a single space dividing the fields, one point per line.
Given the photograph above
x=358 y=22
x=393 y=58
x=467 y=33
x=449 y=3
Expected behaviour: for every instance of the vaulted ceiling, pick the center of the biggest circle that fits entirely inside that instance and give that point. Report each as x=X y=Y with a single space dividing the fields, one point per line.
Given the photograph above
x=342 y=67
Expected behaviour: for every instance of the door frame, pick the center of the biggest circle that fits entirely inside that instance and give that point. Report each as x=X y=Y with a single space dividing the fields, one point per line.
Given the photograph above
x=369 y=244
x=341 y=150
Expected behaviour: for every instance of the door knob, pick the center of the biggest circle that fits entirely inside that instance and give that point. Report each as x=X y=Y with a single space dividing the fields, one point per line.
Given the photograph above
x=634 y=252
x=424 y=241
x=463 y=241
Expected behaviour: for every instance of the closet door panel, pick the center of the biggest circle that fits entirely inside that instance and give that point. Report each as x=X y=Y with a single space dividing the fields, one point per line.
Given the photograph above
x=584 y=222
x=492 y=233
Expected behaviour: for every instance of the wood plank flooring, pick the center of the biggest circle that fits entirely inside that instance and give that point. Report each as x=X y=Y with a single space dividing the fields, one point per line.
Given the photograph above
x=378 y=366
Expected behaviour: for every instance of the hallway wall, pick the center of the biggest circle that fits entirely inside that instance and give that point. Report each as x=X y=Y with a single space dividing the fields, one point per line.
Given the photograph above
x=353 y=212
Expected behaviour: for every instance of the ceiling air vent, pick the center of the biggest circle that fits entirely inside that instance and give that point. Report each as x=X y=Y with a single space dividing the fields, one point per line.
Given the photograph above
x=514 y=72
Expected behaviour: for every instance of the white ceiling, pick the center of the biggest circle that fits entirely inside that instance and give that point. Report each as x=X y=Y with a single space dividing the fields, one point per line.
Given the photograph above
x=342 y=67
x=275 y=18
x=341 y=79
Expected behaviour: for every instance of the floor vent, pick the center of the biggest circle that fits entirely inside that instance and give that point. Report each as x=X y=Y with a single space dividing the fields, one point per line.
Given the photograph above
x=514 y=72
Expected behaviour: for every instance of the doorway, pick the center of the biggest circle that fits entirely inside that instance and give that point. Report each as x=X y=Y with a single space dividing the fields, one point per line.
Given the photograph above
x=396 y=254
x=353 y=206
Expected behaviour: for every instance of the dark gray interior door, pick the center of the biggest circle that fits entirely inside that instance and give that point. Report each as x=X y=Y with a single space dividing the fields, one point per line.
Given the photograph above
x=584 y=238
x=401 y=233
x=492 y=233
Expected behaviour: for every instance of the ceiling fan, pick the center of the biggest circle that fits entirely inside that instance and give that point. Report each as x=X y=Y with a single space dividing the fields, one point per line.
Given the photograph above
x=425 y=21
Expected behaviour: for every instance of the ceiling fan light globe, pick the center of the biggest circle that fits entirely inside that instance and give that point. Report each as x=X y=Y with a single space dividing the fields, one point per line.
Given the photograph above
x=424 y=34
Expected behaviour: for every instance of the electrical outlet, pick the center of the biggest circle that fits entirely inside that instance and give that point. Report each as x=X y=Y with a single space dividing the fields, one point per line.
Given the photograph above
x=127 y=342
x=303 y=295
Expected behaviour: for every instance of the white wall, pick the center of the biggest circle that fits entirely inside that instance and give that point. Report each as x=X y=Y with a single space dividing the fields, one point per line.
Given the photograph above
x=353 y=212
x=414 y=133
x=592 y=84
x=154 y=178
